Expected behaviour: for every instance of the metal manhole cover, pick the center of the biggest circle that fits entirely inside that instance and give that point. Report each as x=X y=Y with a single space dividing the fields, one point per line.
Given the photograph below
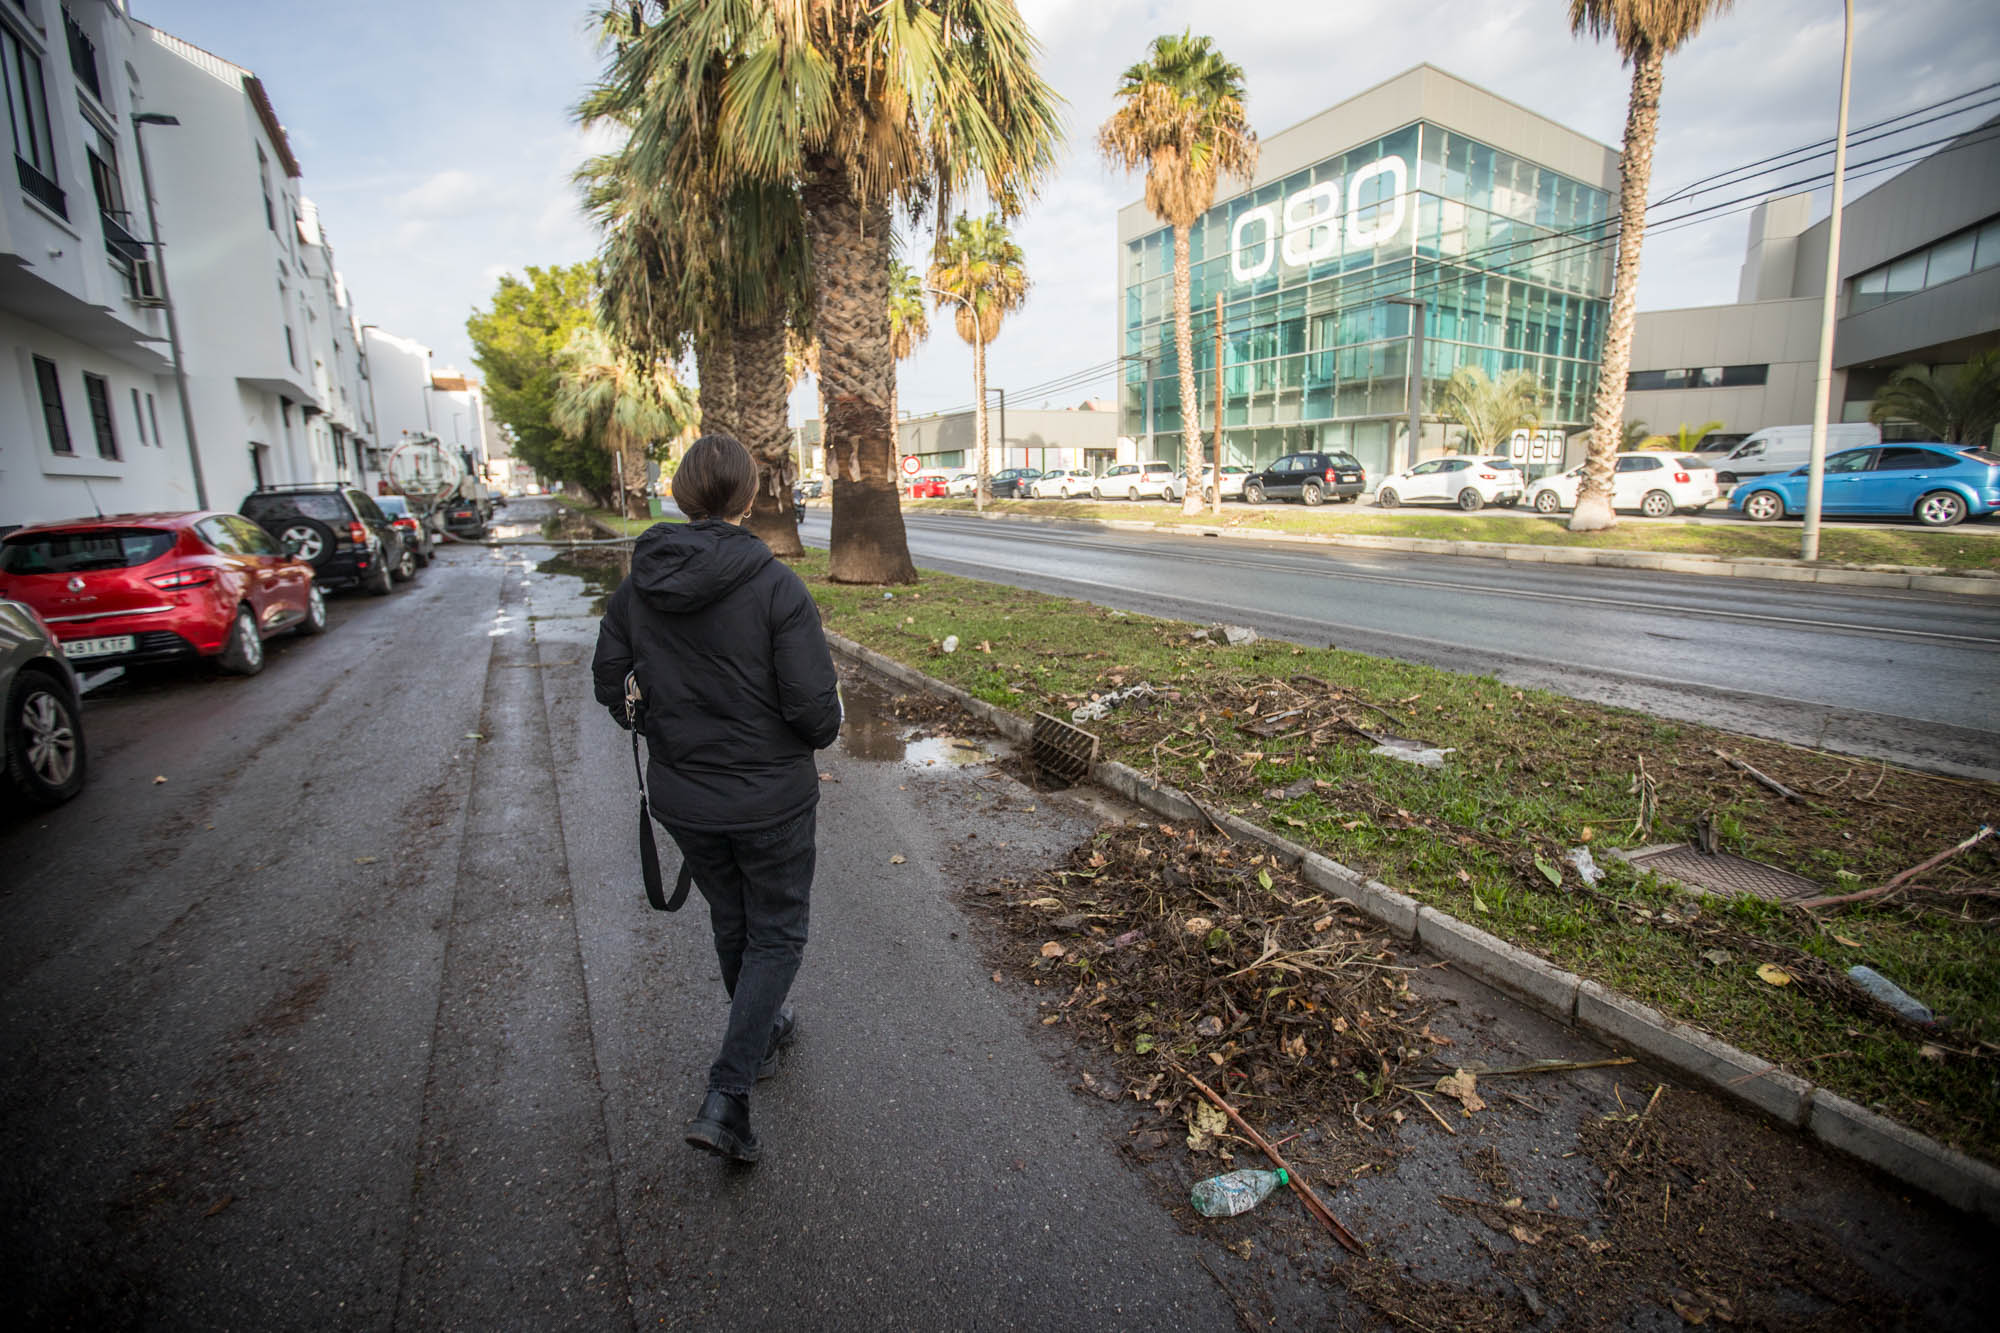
x=1062 y=751
x=1724 y=875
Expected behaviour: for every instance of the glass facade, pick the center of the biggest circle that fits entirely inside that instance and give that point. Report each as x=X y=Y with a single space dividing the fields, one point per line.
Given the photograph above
x=1510 y=257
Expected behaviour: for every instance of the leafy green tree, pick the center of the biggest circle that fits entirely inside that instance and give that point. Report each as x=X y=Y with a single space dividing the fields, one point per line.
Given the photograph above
x=1491 y=410
x=863 y=106
x=979 y=269
x=631 y=408
x=1180 y=116
x=1646 y=32
x=1683 y=441
x=517 y=344
x=1952 y=406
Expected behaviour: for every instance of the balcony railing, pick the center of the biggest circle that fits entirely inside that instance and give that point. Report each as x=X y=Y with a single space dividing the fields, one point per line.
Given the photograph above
x=82 y=56
x=131 y=256
x=40 y=187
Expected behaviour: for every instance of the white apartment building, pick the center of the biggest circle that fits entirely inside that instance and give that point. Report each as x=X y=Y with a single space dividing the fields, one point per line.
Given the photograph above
x=399 y=380
x=339 y=367
x=89 y=417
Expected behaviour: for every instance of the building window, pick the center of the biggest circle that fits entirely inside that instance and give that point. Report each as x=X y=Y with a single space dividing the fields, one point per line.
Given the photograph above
x=1938 y=263
x=1696 y=377
x=138 y=416
x=53 y=419
x=82 y=56
x=28 y=109
x=257 y=452
x=153 y=420
x=98 y=394
x=264 y=179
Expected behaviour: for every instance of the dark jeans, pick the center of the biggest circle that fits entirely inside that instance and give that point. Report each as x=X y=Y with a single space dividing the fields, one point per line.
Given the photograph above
x=759 y=889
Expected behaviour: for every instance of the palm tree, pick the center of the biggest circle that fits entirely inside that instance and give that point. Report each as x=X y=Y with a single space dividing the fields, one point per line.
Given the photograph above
x=864 y=107
x=1646 y=32
x=979 y=267
x=1631 y=435
x=1180 y=116
x=1683 y=441
x=631 y=407
x=1959 y=406
x=909 y=325
x=1491 y=410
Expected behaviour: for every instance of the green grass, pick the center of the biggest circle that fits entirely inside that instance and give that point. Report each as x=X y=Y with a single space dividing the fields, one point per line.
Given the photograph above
x=1973 y=546
x=624 y=527
x=1531 y=772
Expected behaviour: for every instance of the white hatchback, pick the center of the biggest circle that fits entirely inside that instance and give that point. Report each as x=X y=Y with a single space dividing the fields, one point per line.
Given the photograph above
x=962 y=483
x=1232 y=482
x=1062 y=483
x=1469 y=483
x=1656 y=484
x=1134 y=481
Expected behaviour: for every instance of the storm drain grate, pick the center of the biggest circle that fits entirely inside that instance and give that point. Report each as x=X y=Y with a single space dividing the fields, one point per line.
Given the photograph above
x=1062 y=751
x=1724 y=875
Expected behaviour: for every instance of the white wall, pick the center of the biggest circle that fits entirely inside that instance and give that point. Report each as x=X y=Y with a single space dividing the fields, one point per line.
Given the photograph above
x=399 y=371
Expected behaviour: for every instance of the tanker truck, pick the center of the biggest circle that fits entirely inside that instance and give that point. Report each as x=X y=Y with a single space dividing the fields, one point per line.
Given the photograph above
x=442 y=485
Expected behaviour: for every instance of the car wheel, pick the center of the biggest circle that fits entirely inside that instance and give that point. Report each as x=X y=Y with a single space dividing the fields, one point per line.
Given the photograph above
x=1546 y=502
x=423 y=555
x=1656 y=504
x=1097 y=492
x=308 y=539
x=1253 y=493
x=315 y=621
x=1208 y=496
x=1763 y=506
x=1312 y=493
x=44 y=739
x=1725 y=478
x=1470 y=499
x=243 y=654
x=406 y=566
x=381 y=583
x=1941 y=509
x=1386 y=498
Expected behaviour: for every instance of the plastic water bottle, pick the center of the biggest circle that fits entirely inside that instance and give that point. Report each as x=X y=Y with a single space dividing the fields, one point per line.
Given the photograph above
x=1889 y=993
x=1237 y=1192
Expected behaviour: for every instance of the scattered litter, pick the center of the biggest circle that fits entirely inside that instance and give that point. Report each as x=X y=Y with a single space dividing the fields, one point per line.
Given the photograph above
x=1773 y=974
x=951 y=643
x=157 y=781
x=1463 y=1085
x=1235 y=1193
x=1204 y=1123
x=475 y=735
x=1100 y=708
x=1291 y=791
x=888 y=596
x=1580 y=859
x=896 y=860
x=364 y=860
x=1889 y=993
x=1412 y=752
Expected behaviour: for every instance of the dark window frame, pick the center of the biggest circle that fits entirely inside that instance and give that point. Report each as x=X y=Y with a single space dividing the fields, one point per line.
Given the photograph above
x=48 y=382
x=97 y=397
x=27 y=88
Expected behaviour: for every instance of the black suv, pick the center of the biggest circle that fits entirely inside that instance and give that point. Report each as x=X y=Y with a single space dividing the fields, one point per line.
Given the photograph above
x=338 y=530
x=1014 y=483
x=1311 y=478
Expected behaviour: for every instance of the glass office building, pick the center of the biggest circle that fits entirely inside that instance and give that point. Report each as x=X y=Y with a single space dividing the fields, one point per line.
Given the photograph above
x=1496 y=219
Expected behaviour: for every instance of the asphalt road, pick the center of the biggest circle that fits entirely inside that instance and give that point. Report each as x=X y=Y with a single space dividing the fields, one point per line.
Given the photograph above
x=333 y=1002
x=1903 y=676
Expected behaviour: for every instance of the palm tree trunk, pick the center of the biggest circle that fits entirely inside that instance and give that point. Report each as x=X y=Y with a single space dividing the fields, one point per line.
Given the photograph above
x=850 y=257
x=1635 y=172
x=982 y=492
x=762 y=413
x=1184 y=353
x=715 y=365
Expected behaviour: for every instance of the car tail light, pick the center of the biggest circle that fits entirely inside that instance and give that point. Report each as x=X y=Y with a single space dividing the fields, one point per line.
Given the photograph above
x=1682 y=478
x=1331 y=475
x=357 y=534
x=183 y=578
x=1489 y=476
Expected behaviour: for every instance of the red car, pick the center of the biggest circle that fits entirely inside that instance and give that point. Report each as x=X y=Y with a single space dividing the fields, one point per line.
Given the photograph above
x=135 y=588
x=929 y=485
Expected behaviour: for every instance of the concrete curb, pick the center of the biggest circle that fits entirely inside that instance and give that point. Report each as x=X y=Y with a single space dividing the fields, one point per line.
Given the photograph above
x=1917 y=1161
x=1918 y=578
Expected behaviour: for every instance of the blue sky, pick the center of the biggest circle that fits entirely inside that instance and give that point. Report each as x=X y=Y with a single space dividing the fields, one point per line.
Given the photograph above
x=436 y=138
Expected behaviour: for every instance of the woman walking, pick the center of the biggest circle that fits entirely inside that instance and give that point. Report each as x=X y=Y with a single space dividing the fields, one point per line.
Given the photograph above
x=725 y=646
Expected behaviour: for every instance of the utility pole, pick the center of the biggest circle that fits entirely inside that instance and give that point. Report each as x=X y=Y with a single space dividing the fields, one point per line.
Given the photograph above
x=1215 y=441
x=1417 y=307
x=140 y=120
x=1823 y=383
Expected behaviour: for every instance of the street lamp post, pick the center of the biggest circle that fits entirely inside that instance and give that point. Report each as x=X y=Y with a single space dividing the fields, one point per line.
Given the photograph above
x=1823 y=382
x=140 y=121
x=1417 y=308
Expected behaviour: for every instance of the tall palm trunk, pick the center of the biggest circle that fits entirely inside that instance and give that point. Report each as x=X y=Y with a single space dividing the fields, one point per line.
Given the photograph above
x=1184 y=354
x=982 y=461
x=1635 y=172
x=850 y=256
x=715 y=364
x=762 y=412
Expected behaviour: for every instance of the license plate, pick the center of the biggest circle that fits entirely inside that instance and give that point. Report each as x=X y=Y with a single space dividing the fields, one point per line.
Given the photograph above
x=116 y=643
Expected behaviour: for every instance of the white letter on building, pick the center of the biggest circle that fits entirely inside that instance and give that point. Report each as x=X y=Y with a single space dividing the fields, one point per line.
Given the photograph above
x=1245 y=272
x=1393 y=211
x=1312 y=224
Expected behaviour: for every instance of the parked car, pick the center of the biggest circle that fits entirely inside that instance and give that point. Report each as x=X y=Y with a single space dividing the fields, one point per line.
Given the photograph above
x=1133 y=481
x=1469 y=483
x=1782 y=448
x=1063 y=482
x=405 y=520
x=1656 y=484
x=1520 y=481
x=1310 y=478
x=962 y=483
x=1014 y=483
x=42 y=731
x=928 y=485
x=1936 y=484
x=808 y=488
x=1233 y=476
x=341 y=532
x=137 y=588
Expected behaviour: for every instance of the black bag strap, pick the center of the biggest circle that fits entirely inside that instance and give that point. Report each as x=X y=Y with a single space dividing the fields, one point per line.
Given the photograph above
x=649 y=850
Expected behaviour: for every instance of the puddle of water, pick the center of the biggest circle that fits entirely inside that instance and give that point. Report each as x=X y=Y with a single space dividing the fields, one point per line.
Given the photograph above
x=946 y=751
x=602 y=569
x=566 y=524
x=873 y=732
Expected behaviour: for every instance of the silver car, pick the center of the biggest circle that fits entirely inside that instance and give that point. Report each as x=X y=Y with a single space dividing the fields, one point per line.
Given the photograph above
x=43 y=729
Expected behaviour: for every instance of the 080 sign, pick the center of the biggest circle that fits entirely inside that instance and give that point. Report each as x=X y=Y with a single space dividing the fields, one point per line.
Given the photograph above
x=1310 y=225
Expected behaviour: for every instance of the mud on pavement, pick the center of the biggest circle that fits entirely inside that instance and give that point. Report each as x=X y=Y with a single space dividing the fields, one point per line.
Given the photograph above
x=1602 y=1196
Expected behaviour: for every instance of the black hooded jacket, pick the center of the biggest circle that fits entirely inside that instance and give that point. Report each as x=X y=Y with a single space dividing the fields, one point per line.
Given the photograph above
x=740 y=689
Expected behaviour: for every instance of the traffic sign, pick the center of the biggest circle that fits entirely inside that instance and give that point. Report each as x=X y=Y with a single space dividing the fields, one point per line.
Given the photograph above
x=912 y=465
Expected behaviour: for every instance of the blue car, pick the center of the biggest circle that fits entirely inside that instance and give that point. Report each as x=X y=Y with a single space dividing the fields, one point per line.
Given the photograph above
x=1937 y=484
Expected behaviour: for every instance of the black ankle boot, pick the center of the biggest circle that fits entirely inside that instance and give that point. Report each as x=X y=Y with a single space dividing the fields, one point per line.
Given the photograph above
x=781 y=1034
x=722 y=1126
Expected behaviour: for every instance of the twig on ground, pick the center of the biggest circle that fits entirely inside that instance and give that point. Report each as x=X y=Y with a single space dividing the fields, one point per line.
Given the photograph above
x=1762 y=778
x=1985 y=832
x=1424 y=1102
x=1626 y=1151
x=1551 y=1066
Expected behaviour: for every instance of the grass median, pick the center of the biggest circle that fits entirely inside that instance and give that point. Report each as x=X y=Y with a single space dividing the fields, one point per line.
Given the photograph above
x=1972 y=547
x=1275 y=731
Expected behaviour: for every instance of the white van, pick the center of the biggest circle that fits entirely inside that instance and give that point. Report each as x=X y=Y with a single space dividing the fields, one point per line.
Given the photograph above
x=1785 y=448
